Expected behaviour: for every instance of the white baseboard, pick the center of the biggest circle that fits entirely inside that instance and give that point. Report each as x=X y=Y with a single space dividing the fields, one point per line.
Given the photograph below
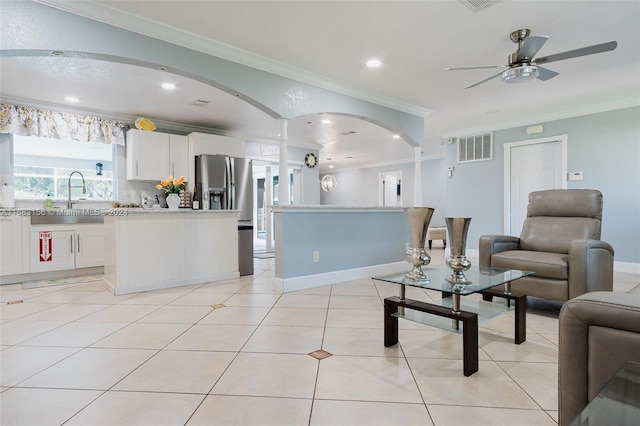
x=334 y=277
x=120 y=290
x=626 y=267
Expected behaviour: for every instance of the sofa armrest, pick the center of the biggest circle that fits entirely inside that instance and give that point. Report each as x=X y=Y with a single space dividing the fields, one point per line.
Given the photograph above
x=491 y=244
x=590 y=267
x=585 y=365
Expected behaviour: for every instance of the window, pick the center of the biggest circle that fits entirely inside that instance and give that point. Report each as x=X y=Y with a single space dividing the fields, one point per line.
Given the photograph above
x=475 y=148
x=42 y=166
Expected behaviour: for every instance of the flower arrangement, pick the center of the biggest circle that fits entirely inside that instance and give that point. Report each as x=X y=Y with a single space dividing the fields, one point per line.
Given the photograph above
x=171 y=185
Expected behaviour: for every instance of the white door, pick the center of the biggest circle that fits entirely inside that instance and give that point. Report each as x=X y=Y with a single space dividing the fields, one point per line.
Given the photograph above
x=89 y=247
x=533 y=165
x=52 y=251
x=388 y=189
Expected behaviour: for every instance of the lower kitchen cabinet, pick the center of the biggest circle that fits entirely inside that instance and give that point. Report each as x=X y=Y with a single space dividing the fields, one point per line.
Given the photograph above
x=62 y=249
x=10 y=245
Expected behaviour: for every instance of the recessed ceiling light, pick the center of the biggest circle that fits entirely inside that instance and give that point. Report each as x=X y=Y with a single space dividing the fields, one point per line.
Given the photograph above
x=168 y=86
x=71 y=99
x=396 y=136
x=57 y=53
x=326 y=121
x=374 y=63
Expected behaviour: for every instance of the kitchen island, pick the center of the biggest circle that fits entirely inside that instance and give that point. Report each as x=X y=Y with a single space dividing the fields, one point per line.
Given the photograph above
x=151 y=249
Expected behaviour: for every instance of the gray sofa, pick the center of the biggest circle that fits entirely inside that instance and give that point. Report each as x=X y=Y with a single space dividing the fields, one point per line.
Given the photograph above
x=559 y=242
x=599 y=333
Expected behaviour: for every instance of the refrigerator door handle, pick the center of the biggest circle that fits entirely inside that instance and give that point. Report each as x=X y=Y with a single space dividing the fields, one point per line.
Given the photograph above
x=231 y=184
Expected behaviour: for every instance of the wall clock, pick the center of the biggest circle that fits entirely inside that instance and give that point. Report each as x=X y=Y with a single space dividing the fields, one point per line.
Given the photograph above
x=310 y=160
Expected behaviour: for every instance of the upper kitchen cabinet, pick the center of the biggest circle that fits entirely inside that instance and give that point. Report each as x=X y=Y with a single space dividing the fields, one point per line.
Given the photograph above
x=204 y=143
x=179 y=155
x=154 y=156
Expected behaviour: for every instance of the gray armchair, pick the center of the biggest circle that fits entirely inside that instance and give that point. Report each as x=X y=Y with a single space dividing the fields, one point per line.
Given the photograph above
x=560 y=243
x=599 y=333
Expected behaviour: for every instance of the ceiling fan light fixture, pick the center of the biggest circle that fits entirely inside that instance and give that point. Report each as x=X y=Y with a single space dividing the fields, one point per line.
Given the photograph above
x=520 y=74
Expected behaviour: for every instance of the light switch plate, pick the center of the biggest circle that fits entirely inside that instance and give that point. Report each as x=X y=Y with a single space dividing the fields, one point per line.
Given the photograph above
x=574 y=176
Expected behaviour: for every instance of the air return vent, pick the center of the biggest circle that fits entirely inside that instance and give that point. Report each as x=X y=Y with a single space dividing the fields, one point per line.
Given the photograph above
x=477 y=5
x=475 y=148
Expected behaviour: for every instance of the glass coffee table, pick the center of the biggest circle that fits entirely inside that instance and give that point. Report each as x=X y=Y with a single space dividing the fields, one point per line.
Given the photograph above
x=618 y=403
x=481 y=280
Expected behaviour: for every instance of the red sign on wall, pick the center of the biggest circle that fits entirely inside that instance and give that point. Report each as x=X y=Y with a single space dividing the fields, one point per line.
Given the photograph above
x=46 y=246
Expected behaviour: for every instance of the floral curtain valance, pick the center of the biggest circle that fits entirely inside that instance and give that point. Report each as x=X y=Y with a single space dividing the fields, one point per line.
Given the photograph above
x=26 y=121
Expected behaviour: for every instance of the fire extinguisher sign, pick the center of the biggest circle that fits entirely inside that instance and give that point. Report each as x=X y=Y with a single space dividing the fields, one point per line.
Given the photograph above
x=46 y=246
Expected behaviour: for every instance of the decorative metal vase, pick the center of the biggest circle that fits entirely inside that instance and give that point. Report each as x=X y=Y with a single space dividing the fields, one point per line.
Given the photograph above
x=418 y=219
x=457 y=228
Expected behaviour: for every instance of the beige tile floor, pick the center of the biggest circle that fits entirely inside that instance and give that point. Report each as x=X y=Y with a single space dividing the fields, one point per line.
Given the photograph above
x=76 y=355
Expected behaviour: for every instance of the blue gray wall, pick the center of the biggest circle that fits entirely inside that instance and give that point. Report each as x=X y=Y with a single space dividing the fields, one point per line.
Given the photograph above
x=604 y=146
x=360 y=187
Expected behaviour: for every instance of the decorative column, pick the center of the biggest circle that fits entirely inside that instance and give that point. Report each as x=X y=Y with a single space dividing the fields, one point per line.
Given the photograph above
x=417 y=177
x=283 y=171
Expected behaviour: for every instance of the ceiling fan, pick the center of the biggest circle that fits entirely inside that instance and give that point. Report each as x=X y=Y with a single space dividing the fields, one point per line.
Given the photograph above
x=523 y=66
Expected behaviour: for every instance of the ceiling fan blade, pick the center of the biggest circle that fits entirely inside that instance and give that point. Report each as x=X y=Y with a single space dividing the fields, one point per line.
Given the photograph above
x=545 y=74
x=476 y=68
x=484 y=81
x=530 y=47
x=590 y=50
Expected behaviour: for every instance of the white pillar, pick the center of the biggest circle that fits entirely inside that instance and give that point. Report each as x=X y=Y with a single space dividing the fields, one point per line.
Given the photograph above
x=283 y=171
x=417 y=178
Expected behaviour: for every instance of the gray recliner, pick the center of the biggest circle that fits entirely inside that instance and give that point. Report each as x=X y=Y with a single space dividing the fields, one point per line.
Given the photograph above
x=599 y=333
x=560 y=243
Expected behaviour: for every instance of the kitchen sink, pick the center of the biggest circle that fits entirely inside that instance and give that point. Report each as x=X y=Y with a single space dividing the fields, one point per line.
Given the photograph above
x=66 y=216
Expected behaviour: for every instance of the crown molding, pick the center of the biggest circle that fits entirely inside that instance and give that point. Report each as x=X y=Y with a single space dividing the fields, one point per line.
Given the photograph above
x=554 y=116
x=157 y=30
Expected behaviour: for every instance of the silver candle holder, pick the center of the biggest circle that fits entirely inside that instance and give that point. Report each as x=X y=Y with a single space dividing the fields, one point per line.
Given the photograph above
x=457 y=229
x=418 y=219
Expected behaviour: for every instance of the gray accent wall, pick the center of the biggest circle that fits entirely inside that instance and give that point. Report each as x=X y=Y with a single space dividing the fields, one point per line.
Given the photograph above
x=604 y=146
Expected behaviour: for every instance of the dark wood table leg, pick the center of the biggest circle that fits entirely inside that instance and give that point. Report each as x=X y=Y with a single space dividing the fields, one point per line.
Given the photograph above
x=390 y=324
x=521 y=319
x=470 y=345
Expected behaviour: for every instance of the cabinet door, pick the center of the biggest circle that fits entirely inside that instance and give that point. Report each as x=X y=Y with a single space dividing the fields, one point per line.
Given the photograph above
x=179 y=156
x=10 y=245
x=89 y=248
x=147 y=155
x=52 y=250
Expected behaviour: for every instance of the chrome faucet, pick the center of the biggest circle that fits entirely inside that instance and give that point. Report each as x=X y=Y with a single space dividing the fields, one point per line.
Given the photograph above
x=69 y=186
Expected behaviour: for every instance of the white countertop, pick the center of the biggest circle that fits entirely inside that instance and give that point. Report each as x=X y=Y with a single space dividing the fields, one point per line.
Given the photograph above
x=318 y=208
x=100 y=212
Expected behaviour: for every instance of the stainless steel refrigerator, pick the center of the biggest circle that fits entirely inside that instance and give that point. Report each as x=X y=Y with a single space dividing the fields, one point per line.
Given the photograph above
x=226 y=183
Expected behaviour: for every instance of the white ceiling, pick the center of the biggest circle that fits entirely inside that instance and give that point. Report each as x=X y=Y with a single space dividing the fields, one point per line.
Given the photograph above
x=327 y=42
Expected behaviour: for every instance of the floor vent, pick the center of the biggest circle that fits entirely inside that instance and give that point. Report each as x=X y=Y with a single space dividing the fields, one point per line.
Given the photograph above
x=475 y=148
x=477 y=5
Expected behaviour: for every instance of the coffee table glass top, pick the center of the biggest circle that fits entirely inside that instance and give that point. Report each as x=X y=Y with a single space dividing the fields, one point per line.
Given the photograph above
x=480 y=278
x=618 y=403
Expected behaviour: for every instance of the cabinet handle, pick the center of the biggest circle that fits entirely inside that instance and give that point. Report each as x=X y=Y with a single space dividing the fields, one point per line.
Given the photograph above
x=71 y=245
x=173 y=169
x=136 y=168
x=78 y=247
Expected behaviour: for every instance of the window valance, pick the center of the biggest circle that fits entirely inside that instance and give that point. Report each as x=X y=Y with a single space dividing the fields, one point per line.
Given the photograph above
x=26 y=121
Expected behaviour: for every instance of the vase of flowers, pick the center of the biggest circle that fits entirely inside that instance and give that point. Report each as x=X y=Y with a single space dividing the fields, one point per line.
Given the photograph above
x=172 y=188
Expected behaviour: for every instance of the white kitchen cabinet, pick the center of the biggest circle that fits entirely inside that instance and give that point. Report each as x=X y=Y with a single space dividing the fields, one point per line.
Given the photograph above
x=204 y=143
x=10 y=245
x=178 y=156
x=81 y=246
x=52 y=250
x=154 y=156
x=147 y=155
x=89 y=247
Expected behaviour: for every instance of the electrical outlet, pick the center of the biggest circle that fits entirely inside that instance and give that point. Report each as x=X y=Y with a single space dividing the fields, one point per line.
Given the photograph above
x=316 y=256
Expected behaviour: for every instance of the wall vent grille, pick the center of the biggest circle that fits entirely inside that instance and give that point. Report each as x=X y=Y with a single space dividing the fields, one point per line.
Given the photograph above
x=475 y=148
